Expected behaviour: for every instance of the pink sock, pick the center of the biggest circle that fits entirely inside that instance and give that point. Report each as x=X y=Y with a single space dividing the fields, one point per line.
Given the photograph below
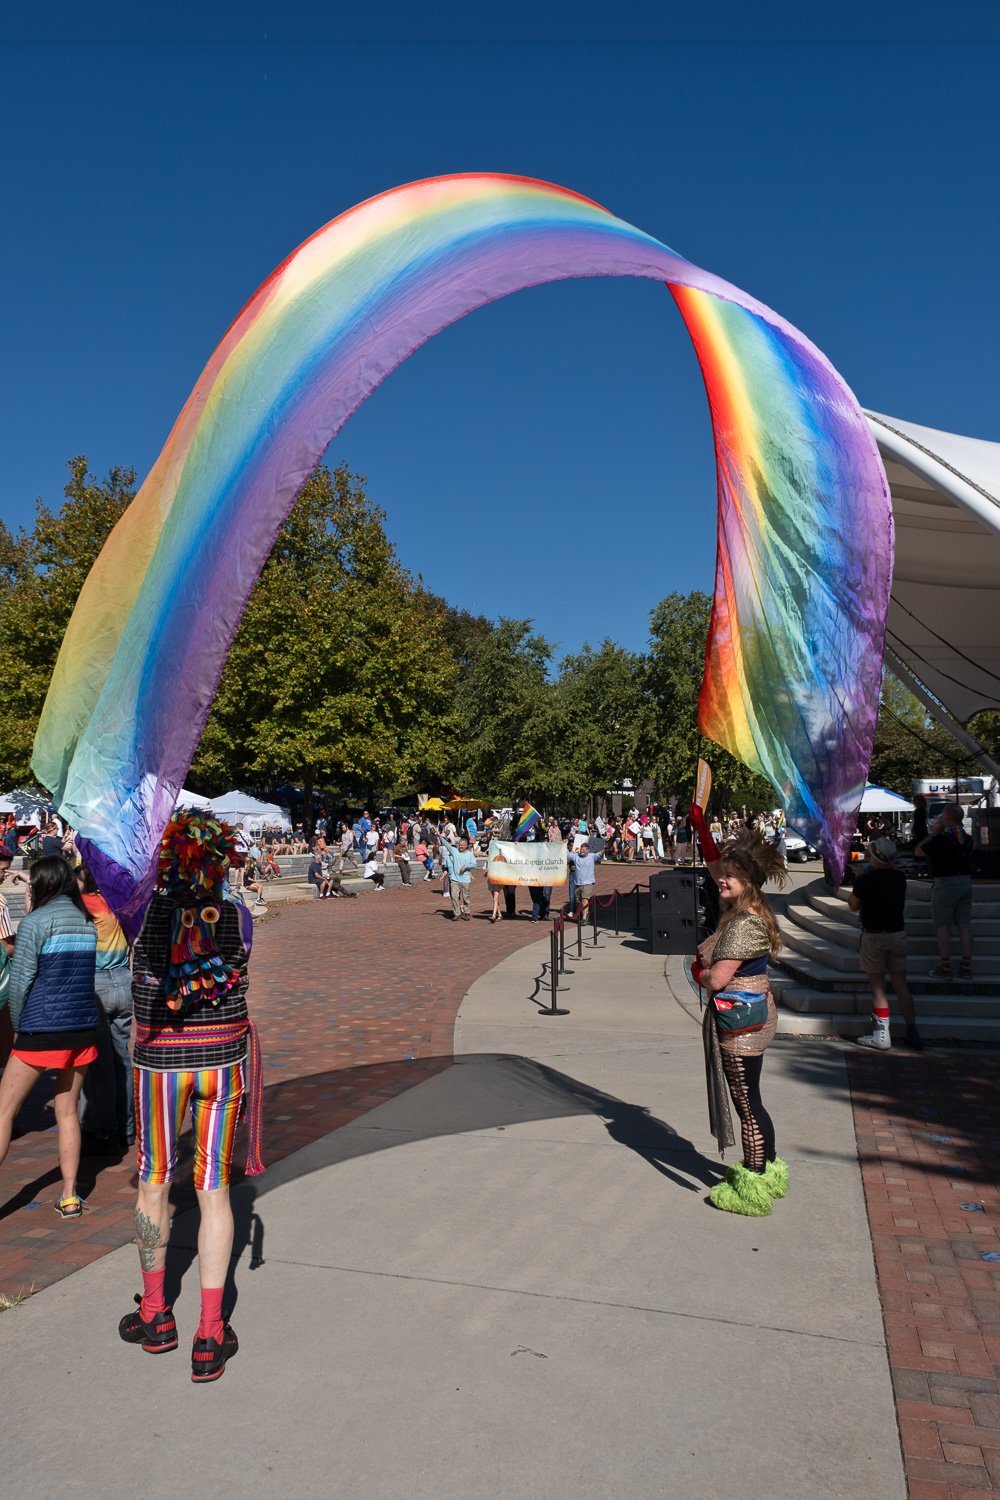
x=210 y=1326
x=152 y=1294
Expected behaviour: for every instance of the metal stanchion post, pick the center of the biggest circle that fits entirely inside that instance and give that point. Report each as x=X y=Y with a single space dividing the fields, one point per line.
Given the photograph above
x=554 y=1009
x=617 y=934
x=593 y=908
x=562 y=945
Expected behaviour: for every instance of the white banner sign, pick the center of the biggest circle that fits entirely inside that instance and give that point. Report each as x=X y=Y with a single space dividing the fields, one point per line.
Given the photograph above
x=526 y=864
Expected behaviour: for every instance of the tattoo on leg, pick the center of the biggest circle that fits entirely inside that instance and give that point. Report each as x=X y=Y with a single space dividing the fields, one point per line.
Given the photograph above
x=147 y=1237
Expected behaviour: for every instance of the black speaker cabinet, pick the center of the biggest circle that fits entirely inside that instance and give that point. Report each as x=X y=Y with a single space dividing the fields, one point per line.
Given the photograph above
x=684 y=890
x=683 y=909
x=673 y=933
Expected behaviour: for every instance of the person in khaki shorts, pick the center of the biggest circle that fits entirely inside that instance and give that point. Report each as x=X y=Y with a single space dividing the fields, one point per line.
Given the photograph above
x=880 y=896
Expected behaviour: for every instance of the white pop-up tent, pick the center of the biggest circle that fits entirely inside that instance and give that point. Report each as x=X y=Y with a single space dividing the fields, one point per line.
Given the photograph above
x=27 y=804
x=943 y=637
x=191 y=799
x=240 y=807
x=878 y=799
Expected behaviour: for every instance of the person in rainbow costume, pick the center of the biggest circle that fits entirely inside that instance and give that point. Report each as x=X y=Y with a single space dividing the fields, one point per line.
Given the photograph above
x=195 y=1048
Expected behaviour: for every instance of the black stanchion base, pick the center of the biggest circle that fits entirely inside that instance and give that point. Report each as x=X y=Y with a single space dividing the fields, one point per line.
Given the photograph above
x=558 y=1010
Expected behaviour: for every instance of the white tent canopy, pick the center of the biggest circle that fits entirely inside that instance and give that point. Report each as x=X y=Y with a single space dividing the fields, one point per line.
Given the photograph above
x=944 y=618
x=880 y=799
x=27 y=803
x=191 y=799
x=240 y=807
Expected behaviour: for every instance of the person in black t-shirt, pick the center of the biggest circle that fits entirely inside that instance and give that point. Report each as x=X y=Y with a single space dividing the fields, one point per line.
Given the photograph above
x=948 y=851
x=880 y=896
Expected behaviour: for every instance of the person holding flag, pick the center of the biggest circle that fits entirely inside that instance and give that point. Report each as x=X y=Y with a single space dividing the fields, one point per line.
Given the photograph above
x=526 y=822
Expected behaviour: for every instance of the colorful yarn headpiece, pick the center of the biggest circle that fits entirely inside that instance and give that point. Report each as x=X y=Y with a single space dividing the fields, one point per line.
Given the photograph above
x=195 y=851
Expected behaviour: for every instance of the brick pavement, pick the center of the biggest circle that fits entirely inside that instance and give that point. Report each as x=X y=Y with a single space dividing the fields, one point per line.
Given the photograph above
x=355 y=1001
x=928 y=1134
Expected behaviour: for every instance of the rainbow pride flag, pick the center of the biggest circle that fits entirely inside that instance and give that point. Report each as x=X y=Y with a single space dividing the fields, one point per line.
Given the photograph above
x=529 y=817
x=804 y=531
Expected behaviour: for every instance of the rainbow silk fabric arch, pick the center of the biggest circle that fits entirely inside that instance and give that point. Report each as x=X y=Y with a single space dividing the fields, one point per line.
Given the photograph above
x=804 y=520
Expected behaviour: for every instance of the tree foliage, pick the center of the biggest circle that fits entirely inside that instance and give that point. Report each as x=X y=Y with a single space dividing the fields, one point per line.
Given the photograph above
x=340 y=673
x=346 y=674
x=674 y=668
x=909 y=744
x=608 y=718
x=41 y=574
x=506 y=738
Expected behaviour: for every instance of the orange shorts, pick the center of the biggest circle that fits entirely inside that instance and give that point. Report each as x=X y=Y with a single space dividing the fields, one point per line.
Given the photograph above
x=59 y=1057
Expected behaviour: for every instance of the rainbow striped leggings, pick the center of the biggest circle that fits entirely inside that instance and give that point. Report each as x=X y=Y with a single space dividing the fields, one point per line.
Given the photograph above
x=215 y=1096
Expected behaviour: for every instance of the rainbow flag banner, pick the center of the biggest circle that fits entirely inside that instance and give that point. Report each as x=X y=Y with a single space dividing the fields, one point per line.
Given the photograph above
x=805 y=539
x=529 y=817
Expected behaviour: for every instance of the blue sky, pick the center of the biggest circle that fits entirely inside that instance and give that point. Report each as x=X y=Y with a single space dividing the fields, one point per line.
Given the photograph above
x=551 y=455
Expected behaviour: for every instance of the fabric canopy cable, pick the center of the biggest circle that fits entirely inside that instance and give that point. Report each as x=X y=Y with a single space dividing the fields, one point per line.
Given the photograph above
x=804 y=523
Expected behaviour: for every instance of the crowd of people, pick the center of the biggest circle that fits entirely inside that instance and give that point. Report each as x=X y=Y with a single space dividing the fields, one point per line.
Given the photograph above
x=139 y=1037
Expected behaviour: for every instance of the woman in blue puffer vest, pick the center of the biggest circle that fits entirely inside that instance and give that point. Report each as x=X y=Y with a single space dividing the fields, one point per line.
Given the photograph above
x=53 y=1009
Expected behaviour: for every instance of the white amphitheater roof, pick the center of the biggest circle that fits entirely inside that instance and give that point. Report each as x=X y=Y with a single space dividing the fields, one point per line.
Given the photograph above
x=944 y=618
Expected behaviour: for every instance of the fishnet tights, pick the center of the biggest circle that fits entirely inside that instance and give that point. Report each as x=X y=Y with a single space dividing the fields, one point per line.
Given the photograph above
x=743 y=1077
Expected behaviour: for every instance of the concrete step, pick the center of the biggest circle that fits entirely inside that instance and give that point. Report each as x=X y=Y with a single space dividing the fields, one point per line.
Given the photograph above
x=831 y=929
x=941 y=1029
x=985 y=897
x=839 y=956
x=920 y=935
x=813 y=975
x=917 y=917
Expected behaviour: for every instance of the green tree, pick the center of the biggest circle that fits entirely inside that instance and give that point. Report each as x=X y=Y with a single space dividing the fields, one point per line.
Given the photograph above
x=340 y=673
x=985 y=727
x=41 y=574
x=607 y=713
x=674 y=668
x=463 y=632
x=508 y=740
x=909 y=743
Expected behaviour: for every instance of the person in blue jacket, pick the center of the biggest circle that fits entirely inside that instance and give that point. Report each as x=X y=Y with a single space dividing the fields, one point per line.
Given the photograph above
x=53 y=1010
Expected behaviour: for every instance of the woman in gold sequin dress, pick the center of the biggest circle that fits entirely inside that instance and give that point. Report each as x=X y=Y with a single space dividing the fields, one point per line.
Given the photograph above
x=735 y=958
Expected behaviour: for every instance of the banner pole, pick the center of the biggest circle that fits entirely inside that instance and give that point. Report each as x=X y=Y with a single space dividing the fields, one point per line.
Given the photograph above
x=695 y=845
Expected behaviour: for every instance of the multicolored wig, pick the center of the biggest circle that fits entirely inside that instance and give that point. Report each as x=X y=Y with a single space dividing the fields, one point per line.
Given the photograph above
x=195 y=851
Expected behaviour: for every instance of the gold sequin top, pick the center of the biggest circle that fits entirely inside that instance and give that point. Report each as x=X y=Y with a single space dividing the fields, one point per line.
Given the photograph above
x=741 y=938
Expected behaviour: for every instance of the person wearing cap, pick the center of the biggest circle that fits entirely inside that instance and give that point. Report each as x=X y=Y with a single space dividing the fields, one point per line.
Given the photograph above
x=948 y=851
x=879 y=895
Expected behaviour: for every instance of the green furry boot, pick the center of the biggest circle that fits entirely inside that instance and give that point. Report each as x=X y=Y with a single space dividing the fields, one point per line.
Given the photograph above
x=743 y=1192
x=776 y=1177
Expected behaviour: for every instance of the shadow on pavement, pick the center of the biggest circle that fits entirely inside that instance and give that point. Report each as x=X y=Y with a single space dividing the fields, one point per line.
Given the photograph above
x=938 y=1103
x=486 y=1091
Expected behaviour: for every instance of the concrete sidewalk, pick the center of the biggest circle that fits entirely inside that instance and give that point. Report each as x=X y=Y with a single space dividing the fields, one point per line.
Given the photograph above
x=504 y=1282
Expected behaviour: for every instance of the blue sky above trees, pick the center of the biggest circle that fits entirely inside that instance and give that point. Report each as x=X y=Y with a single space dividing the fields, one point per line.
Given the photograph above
x=551 y=455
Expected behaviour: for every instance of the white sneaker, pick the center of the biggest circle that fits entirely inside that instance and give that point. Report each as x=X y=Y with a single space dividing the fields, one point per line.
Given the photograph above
x=877 y=1039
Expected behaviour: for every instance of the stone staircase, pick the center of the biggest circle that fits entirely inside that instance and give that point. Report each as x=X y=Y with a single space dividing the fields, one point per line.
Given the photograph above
x=821 y=989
